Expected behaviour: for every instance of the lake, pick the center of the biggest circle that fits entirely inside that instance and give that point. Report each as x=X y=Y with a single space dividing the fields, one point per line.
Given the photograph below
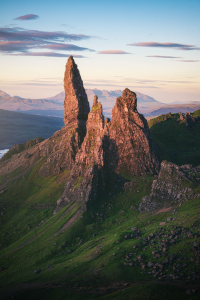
x=2 y=152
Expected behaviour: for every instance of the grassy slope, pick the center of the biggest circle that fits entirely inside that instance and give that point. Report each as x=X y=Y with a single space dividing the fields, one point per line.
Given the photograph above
x=30 y=241
x=177 y=142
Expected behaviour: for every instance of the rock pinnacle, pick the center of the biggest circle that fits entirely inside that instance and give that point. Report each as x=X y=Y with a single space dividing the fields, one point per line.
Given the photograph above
x=76 y=105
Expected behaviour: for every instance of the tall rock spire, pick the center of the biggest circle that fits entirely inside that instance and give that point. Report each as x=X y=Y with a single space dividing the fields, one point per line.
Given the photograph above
x=76 y=105
x=129 y=131
x=60 y=150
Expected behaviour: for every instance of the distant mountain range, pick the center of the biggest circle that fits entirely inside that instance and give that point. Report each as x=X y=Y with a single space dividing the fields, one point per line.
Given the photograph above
x=53 y=106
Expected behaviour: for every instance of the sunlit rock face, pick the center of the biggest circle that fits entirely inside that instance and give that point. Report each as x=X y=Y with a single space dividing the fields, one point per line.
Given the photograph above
x=129 y=131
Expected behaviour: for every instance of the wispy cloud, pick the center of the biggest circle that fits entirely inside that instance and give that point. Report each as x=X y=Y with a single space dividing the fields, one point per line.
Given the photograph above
x=165 y=45
x=112 y=52
x=49 y=54
x=135 y=82
x=27 y=17
x=120 y=85
x=21 y=34
x=67 y=47
x=18 y=41
x=160 y=56
x=24 y=46
x=189 y=60
x=15 y=46
x=34 y=82
x=67 y=25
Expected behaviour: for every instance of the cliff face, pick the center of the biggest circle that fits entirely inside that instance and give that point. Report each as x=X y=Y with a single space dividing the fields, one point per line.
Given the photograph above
x=129 y=131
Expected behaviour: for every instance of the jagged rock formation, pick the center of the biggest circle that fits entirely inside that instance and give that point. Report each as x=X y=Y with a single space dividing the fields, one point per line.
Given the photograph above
x=135 y=151
x=62 y=147
x=88 y=173
x=124 y=144
x=172 y=186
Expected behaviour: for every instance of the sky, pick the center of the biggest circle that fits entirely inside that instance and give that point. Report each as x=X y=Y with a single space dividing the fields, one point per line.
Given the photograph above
x=152 y=47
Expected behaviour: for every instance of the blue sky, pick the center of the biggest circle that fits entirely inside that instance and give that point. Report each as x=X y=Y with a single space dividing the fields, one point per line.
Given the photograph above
x=152 y=47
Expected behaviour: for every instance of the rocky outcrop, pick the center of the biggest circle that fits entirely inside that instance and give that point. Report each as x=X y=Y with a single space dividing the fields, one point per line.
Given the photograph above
x=188 y=119
x=130 y=139
x=172 y=186
x=60 y=150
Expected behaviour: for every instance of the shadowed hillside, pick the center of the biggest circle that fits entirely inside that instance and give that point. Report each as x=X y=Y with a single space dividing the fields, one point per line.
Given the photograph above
x=177 y=137
x=17 y=128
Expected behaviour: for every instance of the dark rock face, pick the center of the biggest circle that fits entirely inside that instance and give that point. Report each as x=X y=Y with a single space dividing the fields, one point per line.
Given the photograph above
x=60 y=151
x=88 y=173
x=172 y=186
x=137 y=153
x=76 y=105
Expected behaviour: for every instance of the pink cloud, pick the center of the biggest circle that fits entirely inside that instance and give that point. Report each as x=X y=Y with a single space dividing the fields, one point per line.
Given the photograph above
x=27 y=17
x=20 y=34
x=160 y=56
x=20 y=40
x=189 y=60
x=165 y=45
x=112 y=52
x=66 y=47
x=48 y=54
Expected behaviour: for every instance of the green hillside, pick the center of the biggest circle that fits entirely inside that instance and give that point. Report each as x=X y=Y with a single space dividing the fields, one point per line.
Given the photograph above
x=178 y=140
x=106 y=252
